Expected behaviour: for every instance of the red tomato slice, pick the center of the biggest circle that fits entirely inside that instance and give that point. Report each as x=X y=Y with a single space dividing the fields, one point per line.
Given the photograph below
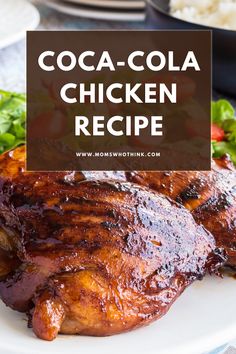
x=217 y=133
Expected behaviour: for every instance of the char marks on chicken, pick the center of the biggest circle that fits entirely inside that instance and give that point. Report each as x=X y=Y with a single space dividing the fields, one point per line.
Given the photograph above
x=210 y=196
x=94 y=257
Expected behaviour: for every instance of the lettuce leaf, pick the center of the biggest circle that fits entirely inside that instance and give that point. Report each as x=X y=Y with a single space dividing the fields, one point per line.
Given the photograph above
x=223 y=115
x=12 y=120
x=222 y=148
x=221 y=111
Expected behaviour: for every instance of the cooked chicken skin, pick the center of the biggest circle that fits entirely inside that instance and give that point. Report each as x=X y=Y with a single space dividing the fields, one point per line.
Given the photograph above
x=96 y=257
x=210 y=196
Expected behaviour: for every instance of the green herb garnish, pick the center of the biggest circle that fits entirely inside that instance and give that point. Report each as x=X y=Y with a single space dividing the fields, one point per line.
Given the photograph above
x=12 y=120
x=223 y=115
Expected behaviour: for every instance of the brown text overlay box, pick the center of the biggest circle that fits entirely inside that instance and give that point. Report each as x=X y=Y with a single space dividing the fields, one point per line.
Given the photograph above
x=51 y=141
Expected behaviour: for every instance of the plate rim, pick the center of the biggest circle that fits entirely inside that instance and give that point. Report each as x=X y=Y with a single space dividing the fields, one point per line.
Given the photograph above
x=116 y=4
x=93 y=14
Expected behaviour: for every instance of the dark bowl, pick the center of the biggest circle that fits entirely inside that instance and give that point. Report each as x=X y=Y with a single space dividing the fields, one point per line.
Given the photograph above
x=224 y=48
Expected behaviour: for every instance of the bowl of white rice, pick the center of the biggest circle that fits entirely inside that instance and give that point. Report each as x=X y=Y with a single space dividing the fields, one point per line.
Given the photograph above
x=216 y=15
x=213 y=13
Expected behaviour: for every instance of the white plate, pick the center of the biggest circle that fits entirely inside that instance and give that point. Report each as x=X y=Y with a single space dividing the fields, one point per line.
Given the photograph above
x=16 y=17
x=122 y=4
x=101 y=14
x=203 y=318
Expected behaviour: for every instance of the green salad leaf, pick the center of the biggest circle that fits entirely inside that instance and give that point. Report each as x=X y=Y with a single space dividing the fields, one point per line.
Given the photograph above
x=223 y=115
x=221 y=111
x=229 y=127
x=12 y=120
x=222 y=148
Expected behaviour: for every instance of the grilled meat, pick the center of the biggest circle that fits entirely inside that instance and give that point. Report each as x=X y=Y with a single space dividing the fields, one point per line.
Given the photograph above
x=210 y=196
x=94 y=257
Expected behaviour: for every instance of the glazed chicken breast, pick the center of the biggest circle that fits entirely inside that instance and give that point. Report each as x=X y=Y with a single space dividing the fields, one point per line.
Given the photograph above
x=210 y=196
x=94 y=257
